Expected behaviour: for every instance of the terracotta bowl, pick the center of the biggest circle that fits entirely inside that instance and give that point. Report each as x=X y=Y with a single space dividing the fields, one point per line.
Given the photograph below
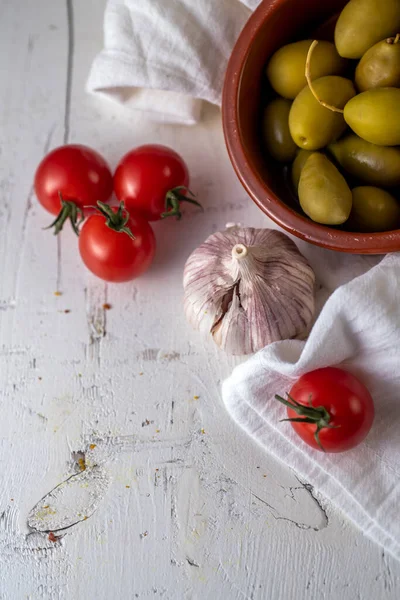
x=273 y=24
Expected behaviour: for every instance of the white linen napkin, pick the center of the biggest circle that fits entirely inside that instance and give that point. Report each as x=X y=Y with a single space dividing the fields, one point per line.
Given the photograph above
x=164 y=57
x=358 y=329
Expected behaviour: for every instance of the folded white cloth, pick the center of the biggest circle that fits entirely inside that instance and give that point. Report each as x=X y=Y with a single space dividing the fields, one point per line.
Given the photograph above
x=358 y=328
x=164 y=57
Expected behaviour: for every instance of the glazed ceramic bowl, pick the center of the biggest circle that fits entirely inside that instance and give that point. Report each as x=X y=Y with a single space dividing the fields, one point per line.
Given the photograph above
x=273 y=24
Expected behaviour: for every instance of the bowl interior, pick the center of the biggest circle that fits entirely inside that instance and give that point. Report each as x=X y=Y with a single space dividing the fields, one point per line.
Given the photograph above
x=273 y=24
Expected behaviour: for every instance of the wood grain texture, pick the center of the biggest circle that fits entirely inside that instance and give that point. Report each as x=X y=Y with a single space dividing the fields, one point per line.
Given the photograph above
x=188 y=506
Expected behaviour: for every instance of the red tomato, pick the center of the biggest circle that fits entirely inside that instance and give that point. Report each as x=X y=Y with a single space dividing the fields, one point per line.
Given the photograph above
x=330 y=409
x=74 y=174
x=107 y=248
x=152 y=180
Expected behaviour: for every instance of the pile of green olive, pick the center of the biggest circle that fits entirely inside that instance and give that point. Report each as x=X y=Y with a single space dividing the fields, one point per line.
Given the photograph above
x=341 y=132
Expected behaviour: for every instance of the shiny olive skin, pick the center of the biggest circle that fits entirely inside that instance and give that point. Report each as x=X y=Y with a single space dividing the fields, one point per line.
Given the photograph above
x=286 y=68
x=276 y=134
x=380 y=66
x=372 y=164
x=323 y=192
x=363 y=23
x=374 y=115
x=374 y=210
x=297 y=166
x=313 y=126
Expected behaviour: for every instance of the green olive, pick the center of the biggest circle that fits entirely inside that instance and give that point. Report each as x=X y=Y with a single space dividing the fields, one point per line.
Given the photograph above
x=276 y=134
x=363 y=23
x=313 y=126
x=376 y=165
x=286 y=68
x=374 y=115
x=380 y=65
x=297 y=166
x=323 y=192
x=374 y=210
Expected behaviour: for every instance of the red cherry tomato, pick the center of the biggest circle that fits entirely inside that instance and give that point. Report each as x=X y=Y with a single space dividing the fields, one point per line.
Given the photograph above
x=72 y=175
x=152 y=180
x=107 y=248
x=330 y=409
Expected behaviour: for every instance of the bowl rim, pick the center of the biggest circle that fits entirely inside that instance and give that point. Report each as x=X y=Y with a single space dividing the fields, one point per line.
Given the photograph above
x=279 y=212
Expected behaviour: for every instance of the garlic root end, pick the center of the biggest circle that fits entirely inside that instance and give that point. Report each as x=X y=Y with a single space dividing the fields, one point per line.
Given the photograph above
x=239 y=251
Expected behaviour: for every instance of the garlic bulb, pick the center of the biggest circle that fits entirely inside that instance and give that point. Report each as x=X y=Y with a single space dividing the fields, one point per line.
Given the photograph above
x=248 y=287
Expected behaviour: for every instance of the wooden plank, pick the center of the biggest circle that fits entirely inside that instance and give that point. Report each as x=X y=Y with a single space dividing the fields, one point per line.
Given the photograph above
x=189 y=507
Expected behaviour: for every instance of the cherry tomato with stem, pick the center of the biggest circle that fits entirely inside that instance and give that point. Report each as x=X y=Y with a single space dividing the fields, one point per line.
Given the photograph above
x=330 y=409
x=116 y=245
x=153 y=180
x=70 y=178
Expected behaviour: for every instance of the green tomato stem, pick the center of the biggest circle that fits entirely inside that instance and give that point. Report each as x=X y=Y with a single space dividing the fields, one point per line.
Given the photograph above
x=309 y=414
x=173 y=198
x=69 y=211
x=115 y=220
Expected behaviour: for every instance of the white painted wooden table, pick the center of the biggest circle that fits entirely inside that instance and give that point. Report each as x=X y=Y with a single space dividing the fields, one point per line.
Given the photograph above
x=187 y=506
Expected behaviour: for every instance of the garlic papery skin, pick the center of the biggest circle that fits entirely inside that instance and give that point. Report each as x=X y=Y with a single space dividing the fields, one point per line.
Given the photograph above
x=248 y=288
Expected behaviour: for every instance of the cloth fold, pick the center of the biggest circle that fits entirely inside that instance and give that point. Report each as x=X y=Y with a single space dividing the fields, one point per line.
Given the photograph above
x=165 y=58
x=357 y=329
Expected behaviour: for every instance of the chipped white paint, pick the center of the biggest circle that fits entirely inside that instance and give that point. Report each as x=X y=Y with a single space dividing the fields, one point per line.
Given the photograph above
x=187 y=507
